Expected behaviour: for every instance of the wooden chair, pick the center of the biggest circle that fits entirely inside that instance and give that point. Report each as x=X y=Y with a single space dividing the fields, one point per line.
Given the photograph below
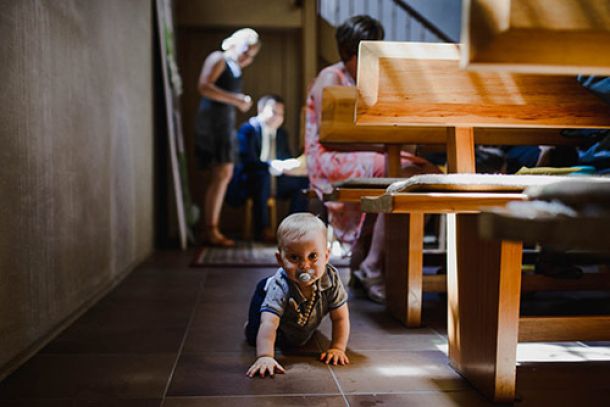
x=247 y=229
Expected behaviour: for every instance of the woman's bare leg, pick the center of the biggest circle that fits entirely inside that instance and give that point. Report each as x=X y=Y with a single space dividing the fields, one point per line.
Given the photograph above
x=372 y=265
x=371 y=268
x=214 y=197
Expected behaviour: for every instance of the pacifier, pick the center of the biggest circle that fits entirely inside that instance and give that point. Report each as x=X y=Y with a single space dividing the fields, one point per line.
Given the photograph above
x=305 y=275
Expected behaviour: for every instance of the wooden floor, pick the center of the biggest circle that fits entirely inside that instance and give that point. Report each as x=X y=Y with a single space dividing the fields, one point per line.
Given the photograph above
x=172 y=336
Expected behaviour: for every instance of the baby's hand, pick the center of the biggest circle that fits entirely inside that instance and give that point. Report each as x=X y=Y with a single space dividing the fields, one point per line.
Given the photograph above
x=334 y=356
x=265 y=364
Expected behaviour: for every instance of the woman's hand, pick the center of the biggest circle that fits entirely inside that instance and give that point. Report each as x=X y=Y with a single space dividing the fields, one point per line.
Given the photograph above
x=334 y=356
x=245 y=103
x=263 y=365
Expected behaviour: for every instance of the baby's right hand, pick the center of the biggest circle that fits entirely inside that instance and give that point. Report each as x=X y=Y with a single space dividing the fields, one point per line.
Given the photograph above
x=265 y=364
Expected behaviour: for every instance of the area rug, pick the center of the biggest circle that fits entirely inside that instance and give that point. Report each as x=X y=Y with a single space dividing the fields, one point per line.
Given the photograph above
x=246 y=254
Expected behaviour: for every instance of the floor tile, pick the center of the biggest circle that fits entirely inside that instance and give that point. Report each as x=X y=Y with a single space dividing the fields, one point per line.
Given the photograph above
x=468 y=398
x=82 y=403
x=396 y=372
x=126 y=327
x=225 y=374
x=259 y=401
x=89 y=377
x=158 y=285
x=213 y=321
x=373 y=329
x=233 y=285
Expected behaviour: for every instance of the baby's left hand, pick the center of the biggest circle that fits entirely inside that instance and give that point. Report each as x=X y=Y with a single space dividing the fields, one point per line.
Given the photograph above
x=334 y=356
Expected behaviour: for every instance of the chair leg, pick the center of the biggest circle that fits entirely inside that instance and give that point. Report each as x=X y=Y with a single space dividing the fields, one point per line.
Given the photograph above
x=271 y=204
x=247 y=229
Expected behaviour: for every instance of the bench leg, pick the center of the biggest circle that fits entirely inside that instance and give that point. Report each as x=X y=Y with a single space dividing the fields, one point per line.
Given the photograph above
x=404 y=242
x=484 y=280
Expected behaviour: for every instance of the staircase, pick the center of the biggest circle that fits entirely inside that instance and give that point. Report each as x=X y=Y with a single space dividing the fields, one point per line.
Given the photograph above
x=401 y=20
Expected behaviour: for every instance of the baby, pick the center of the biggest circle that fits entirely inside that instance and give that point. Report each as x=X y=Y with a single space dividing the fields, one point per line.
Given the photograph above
x=290 y=305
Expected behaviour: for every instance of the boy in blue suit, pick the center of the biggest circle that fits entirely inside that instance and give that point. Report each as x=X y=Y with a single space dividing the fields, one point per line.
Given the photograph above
x=264 y=152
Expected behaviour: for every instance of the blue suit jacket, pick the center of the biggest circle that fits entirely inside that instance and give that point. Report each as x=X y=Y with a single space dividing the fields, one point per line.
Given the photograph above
x=250 y=137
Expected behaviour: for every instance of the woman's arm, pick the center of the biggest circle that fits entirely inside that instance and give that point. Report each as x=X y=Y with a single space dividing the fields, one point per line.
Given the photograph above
x=213 y=66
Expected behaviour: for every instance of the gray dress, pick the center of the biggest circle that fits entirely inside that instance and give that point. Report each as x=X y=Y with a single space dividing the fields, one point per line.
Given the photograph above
x=215 y=127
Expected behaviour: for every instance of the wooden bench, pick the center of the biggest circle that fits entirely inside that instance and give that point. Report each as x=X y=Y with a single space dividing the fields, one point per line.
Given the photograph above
x=416 y=84
x=337 y=127
x=487 y=322
x=353 y=190
x=406 y=202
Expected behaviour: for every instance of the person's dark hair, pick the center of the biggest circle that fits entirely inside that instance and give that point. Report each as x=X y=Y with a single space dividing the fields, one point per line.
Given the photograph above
x=355 y=29
x=262 y=102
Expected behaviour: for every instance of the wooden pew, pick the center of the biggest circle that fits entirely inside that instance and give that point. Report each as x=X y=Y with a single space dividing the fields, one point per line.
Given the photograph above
x=405 y=204
x=337 y=127
x=490 y=326
x=421 y=84
x=544 y=36
x=353 y=191
x=413 y=84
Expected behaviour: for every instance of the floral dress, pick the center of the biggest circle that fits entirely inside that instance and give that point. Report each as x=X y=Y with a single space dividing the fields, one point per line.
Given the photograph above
x=326 y=167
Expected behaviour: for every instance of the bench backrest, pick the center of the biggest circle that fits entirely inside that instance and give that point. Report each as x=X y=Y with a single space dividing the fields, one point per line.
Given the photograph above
x=406 y=83
x=337 y=122
x=337 y=126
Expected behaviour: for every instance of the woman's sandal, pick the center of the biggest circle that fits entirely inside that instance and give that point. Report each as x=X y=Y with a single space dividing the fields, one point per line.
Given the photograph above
x=374 y=287
x=217 y=239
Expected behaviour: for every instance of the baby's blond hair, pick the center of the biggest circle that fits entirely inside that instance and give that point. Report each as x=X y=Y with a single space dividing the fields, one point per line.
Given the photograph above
x=297 y=225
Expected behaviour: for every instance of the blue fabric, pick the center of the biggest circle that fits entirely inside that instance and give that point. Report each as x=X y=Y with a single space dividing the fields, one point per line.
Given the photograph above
x=596 y=154
x=599 y=85
x=256 y=184
x=254 y=312
x=251 y=177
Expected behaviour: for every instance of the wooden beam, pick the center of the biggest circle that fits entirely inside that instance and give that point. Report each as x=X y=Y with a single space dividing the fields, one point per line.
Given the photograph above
x=351 y=194
x=560 y=232
x=577 y=328
x=544 y=36
x=416 y=84
x=437 y=202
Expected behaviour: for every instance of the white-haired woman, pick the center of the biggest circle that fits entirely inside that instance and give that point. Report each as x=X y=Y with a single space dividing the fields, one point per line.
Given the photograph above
x=220 y=88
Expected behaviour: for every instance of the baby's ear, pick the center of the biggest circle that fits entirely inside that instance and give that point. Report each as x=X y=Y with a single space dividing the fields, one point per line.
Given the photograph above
x=278 y=257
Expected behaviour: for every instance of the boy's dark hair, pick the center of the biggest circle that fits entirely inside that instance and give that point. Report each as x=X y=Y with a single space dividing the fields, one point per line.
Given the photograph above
x=355 y=29
x=262 y=102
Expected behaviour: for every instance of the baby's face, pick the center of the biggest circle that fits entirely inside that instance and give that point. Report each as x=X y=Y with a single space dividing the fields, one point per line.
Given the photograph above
x=308 y=255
